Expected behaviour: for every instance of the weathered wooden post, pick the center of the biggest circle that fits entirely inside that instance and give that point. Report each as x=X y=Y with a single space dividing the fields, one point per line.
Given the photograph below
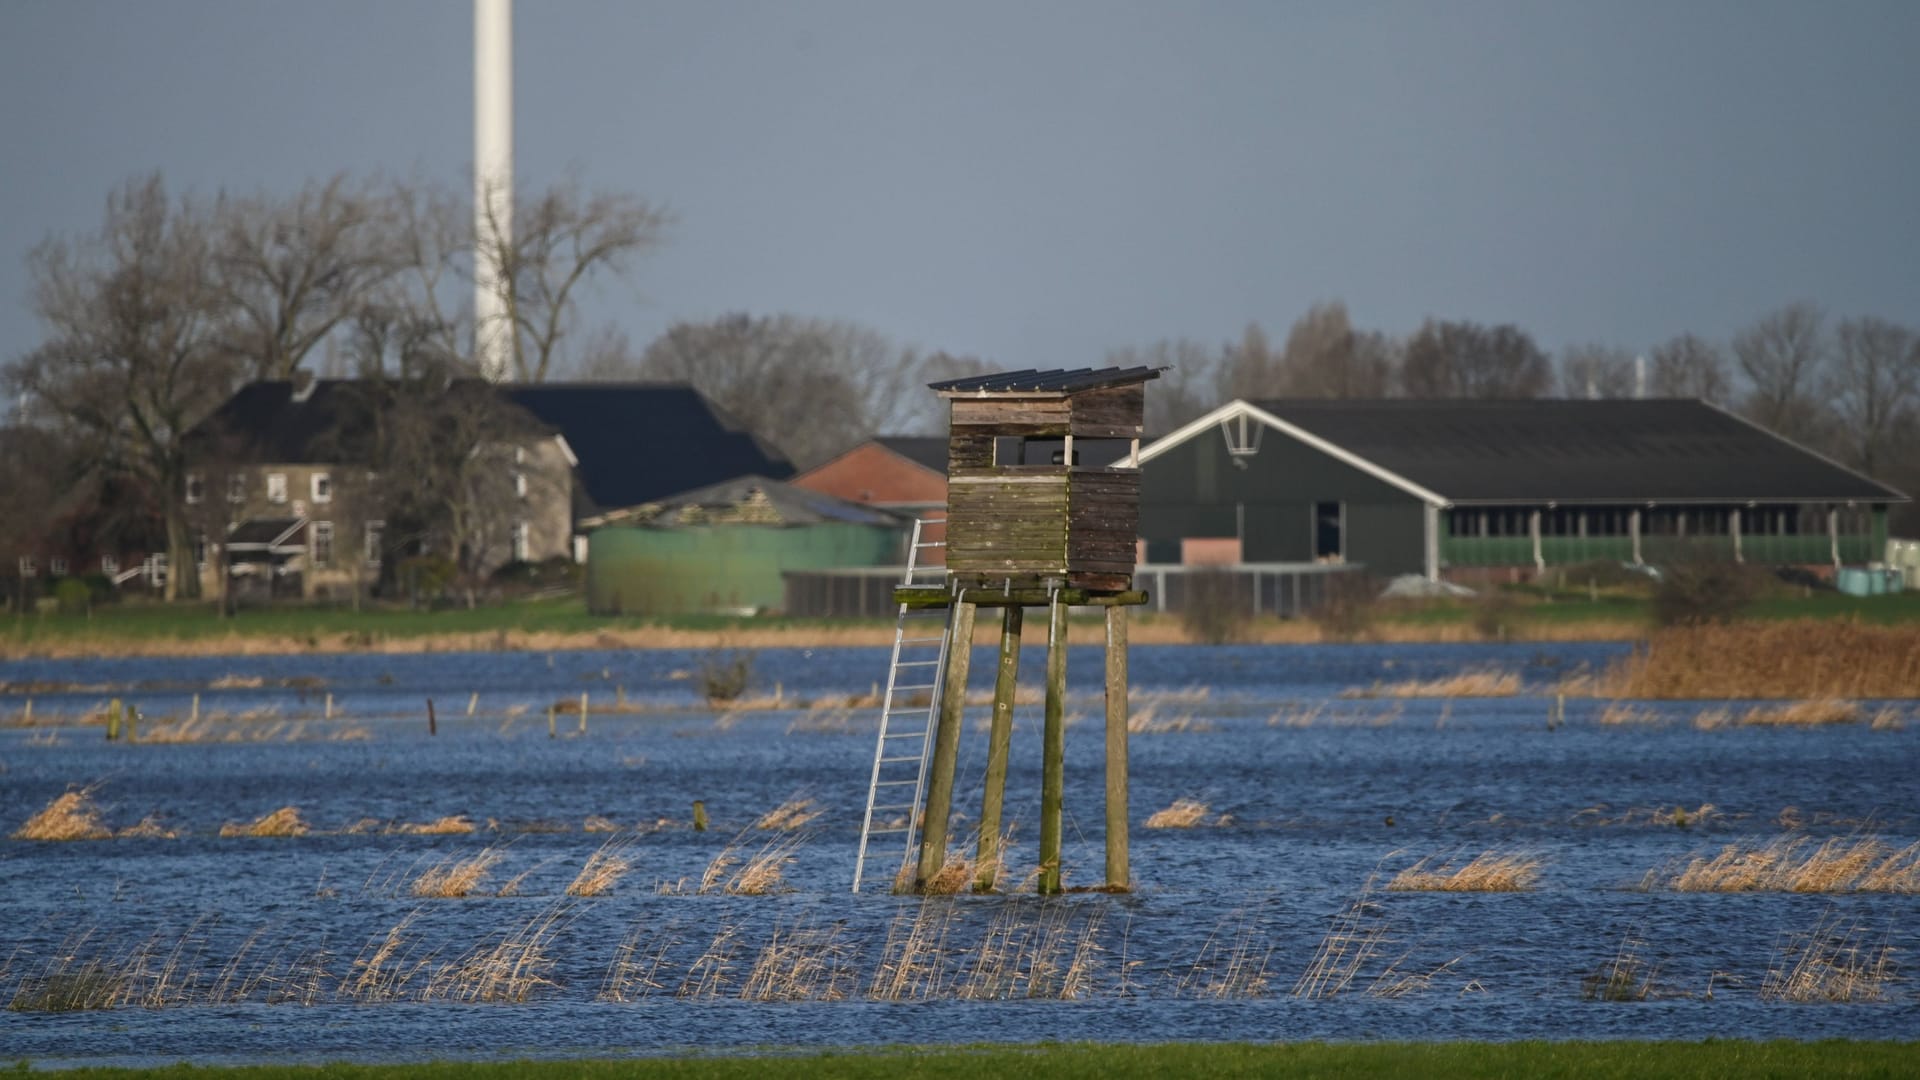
x=433 y=724
x=1033 y=526
x=1118 y=874
x=583 y=712
x=999 y=743
x=1053 y=749
x=946 y=746
x=113 y=719
x=699 y=815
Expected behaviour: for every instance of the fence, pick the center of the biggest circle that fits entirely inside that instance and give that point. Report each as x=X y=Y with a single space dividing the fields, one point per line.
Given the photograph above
x=1284 y=589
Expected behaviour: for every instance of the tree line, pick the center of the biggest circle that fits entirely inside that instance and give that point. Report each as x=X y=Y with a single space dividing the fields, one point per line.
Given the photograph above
x=153 y=319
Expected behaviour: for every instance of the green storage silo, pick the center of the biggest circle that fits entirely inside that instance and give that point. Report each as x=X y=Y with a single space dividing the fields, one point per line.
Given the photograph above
x=723 y=548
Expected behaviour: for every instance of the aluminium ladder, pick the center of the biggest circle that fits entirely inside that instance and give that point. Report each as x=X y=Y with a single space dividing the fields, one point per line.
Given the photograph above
x=921 y=637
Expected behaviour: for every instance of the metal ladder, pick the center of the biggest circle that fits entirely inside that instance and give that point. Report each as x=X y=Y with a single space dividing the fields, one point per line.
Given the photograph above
x=921 y=637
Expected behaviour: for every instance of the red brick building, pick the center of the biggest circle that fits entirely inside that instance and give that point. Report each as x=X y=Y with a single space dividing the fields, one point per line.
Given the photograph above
x=903 y=473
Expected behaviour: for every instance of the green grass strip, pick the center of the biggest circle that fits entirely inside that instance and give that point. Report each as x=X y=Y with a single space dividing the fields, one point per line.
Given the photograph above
x=1070 y=1061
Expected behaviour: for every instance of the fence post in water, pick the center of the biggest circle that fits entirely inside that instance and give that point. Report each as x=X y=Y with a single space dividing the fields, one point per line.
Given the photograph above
x=998 y=741
x=1118 y=876
x=473 y=702
x=1053 y=749
x=619 y=696
x=946 y=746
x=26 y=719
x=433 y=724
x=328 y=714
x=193 y=717
x=551 y=732
x=133 y=718
x=113 y=719
x=699 y=815
x=583 y=712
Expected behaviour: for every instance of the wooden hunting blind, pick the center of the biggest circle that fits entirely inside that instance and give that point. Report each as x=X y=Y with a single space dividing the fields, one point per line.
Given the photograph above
x=1028 y=525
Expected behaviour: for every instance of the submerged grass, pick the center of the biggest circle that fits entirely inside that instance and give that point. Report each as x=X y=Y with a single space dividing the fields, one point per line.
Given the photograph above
x=280 y=823
x=1490 y=871
x=70 y=816
x=1796 y=659
x=1833 y=962
x=1795 y=864
x=456 y=877
x=1465 y=684
x=1181 y=814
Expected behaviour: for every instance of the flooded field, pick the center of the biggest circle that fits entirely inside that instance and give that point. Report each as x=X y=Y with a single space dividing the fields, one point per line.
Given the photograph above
x=1341 y=862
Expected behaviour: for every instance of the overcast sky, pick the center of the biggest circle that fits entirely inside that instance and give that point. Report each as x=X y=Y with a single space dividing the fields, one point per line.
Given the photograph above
x=1035 y=182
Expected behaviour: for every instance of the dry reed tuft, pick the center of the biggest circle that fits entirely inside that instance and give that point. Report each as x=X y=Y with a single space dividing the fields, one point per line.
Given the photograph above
x=455 y=825
x=596 y=823
x=1183 y=814
x=282 y=822
x=1802 y=714
x=802 y=963
x=1713 y=719
x=1858 y=864
x=1465 y=684
x=1887 y=718
x=792 y=814
x=70 y=816
x=1491 y=871
x=1787 y=659
x=604 y=867
x=509 y=969
x=148 y=828
x=1830 y=963
x=1147 y=721
x=1046 y=958
x=1356 y=937
x=1625 y=977
x=912 y=963
x=1232 y=962
x=455 y=877
x=1621 y=713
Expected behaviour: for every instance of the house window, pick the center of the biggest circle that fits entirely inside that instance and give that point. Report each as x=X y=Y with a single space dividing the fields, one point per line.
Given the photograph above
x=236 y=488
x=323 y=543
x=322 y=487
x=277 y=487
x=375 y=534
x=196 y=488
x=27 y=569
x=200 y=547
x=1329 y=540
x=57 y=566
x=520 y=484
x=109 y=565
x=520 y=545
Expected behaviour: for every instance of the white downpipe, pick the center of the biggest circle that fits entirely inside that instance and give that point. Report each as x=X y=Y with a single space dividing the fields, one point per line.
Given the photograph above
x=492 y=182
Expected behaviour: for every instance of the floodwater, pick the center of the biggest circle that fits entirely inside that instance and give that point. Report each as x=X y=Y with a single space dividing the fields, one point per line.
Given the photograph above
x=1269 y=920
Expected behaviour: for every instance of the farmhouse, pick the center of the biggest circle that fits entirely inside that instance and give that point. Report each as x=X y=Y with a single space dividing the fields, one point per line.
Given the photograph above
x=1464 y=489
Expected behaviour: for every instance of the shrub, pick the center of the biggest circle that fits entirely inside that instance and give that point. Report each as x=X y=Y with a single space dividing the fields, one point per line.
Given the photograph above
x=1704 y=591
x=73 y=595
x=426 y=576
x=1214 y=612
x=725 y=674
x=1494 y=612
x=1349 y=604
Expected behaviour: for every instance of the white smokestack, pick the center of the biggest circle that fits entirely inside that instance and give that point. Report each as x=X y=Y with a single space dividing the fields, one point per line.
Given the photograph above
x=492 y=182
x=1640 y=376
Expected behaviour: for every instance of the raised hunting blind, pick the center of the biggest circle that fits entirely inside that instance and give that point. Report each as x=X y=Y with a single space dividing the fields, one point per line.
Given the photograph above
x=1043 y=509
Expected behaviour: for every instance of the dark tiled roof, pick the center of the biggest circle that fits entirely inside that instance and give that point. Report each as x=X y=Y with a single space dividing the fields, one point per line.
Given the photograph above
x=927 y=450
x=262 y=422
x=1055 y=380
x=1578 y=451
x=640 y=441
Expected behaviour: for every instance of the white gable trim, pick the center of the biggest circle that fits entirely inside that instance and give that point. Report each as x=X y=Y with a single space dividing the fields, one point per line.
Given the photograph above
x=1236 y=409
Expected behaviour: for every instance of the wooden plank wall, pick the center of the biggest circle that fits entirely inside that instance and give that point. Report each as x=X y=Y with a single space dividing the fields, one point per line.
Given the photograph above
x=1008 y=524
x=1103 y=518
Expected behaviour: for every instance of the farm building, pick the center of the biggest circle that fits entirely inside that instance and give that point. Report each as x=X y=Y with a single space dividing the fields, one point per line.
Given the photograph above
x=1466 y=488
x=725 y=547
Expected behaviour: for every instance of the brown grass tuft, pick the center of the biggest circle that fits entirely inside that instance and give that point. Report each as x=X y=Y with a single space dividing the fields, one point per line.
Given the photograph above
x=1183 y=814
x=604 y=867
x=1802 y=714
x=70 y=816
x=455 y=877
x=1619 y=713
x=1857 y=864
x=282 y=822
x=1786 y=659
x=1491 y=871
x=792 y=814
x=455 y=825
x=1465 y=684
x=148 y=828
x=1831 y=962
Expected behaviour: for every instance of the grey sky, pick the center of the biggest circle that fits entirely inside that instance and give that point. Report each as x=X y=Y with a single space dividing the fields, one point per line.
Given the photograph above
x=1036 y=182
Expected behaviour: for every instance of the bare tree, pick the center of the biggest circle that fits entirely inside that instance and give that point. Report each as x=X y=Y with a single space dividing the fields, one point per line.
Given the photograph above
x=290 y=271
x=1783 y=356
x=1327 y=358
x=561 y=239
x=131 y=358
x=1596 y=371
x=1690 y=366
x=1187 y=390
x=1446 y=359
x=1876 y=388
x=1248 y=369
x=809 y=386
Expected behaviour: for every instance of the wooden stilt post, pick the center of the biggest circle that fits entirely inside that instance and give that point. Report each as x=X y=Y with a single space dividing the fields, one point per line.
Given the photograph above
x=1053 y=754
x=1117 y=873
x=946 y=747
x=113 y=719
x=998 y=741
x=433 y=722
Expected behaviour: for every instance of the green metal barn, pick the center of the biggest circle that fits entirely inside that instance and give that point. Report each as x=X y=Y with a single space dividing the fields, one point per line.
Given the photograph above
x=722 y=549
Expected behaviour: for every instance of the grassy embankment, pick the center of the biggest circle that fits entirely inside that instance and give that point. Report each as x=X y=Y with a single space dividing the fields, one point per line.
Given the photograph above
x=146 y=629
x=1067 y=1061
